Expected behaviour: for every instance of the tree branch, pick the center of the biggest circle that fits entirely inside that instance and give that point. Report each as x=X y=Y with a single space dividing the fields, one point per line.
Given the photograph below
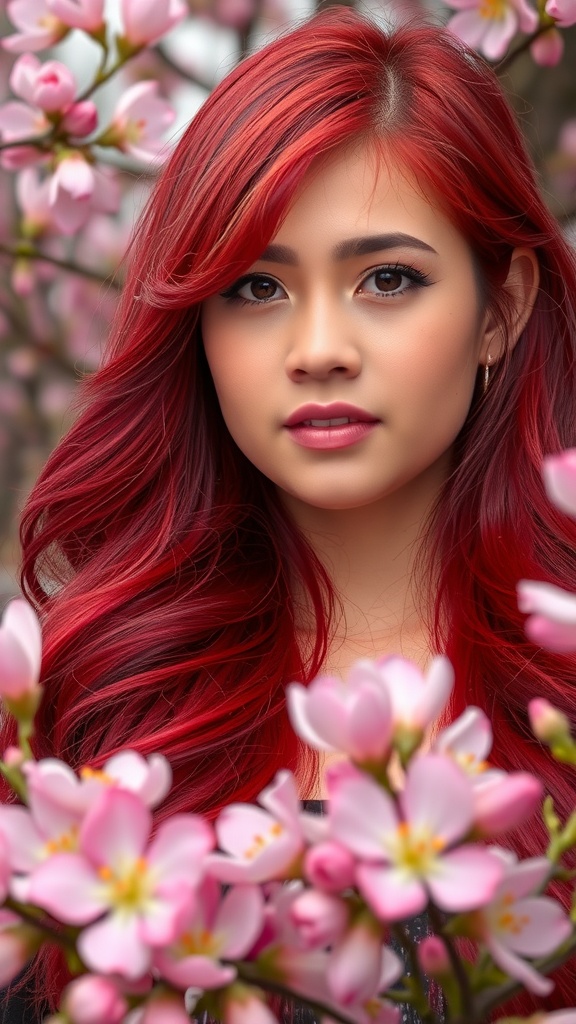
x=69 y=265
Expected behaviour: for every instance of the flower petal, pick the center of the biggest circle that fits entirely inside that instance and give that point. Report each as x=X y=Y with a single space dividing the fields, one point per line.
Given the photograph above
x=465 y=878
x=390 y=892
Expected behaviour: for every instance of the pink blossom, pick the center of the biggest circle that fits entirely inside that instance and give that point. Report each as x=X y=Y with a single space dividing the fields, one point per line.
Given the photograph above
x=87 y=15
x=133 y=889
x=355 y=964
x=81 y=119
x=503 y=803
x=551 y=611
x=329 y=866
x=19 y=121
x=77 y=190
x=564 y=12
x=164 y=1009
x=549 y=725
x=433 y=957
x=558 y=1017
x=145 y=21
x=50 y=86
x=20 y=655
x=149 y=778
x=33 y=200
x=244 y=1005
x=18 y=942
x=559 y=471
x=259 y=843
x=39 y=28
x=319 y=918
x=518 y=924
x=547 y=49
x=92 y=999
x=214 y=928
x=416 y=699
x=352 y=716
x=489 y=25
x=406 y=857
x=468 y=740
x=139 y=122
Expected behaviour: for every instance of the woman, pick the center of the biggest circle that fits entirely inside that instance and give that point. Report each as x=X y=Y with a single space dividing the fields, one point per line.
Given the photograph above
x=346 y=341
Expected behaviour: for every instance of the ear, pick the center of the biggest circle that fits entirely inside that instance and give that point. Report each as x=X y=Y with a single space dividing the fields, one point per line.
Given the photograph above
x=521 y=287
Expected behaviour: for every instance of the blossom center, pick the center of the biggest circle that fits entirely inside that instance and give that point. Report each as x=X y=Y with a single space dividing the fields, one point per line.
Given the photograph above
x=128 y=889
x=200 y=942
x=260 y=842
x=494 y=10
x=415 y=849
x=88 y=774
x=507 y=919
x=65 y=843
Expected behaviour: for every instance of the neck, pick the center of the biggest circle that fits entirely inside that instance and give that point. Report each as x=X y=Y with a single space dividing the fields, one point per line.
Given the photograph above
x=371 y=555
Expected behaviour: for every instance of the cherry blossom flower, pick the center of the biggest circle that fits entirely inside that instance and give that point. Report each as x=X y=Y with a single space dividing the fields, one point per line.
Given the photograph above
x=551 y=611
x=416 y=699
x=93 y=999
x=319 y=919
x=50 y=85
x=19 y=121
x=489 y=25
x=559 y=471
x=18 y=943
x=503 y=803
x=20 y=656
x=564 y=12
x=139 y=122
x=39 y=27
x=132 y=889
x=547 y=49
x=352 y=716
x=405 y=858
x=244 y=1005
x=77 y=190
x=260 y=843
x=214 y=928
x=517 y=924
x=549 y=725
x=468 y=740
x=145 y=21
x=87 y=15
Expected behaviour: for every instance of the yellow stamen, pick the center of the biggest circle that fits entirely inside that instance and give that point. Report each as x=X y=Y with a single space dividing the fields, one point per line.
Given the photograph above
x=493 y=10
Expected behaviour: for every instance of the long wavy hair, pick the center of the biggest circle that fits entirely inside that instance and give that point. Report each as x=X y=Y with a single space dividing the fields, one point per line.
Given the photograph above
x=162 y=561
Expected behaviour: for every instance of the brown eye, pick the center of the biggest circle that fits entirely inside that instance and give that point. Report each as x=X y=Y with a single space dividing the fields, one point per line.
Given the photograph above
x=262 y=288
x=388 y=280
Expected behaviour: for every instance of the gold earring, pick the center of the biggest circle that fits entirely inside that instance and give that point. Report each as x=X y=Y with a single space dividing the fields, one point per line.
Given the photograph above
x=486 y=374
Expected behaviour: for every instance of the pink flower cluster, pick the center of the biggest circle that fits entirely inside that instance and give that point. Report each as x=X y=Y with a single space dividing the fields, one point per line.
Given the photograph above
x=271 y=892
x=551 y=611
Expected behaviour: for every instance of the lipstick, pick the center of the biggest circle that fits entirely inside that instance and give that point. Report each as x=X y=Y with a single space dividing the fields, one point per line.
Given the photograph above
x=332 y=426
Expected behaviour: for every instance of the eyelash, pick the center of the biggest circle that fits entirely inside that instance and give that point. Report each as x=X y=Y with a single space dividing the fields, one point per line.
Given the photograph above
x=415 y=277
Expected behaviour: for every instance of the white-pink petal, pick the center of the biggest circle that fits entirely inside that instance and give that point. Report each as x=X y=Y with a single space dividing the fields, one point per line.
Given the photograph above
x=67 y=886
x=116 y=828
x=361 y=816
x=464 y=879
x=518 y=968
x=438 y=796
x=543 y=926
x=179 y=848
x=114 y=946
x=390 y=892
x=239 y=920
x=297 y=697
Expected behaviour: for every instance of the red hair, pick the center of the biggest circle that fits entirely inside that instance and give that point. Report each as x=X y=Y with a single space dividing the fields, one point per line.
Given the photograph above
x=161 y=559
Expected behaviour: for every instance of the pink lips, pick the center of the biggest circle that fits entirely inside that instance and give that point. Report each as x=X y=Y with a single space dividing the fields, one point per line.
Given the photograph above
x=309 y=428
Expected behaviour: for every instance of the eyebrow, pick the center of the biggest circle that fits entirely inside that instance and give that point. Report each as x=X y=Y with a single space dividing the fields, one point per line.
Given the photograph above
x=345 y=250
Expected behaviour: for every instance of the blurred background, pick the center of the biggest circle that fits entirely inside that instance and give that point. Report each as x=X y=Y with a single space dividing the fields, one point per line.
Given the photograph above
x=94 y=128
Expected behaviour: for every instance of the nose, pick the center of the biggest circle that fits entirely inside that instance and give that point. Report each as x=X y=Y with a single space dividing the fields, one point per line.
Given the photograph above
x=322 y=343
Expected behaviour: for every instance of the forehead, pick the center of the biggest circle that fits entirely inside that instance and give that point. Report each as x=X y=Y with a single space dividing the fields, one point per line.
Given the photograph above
x=360 y=189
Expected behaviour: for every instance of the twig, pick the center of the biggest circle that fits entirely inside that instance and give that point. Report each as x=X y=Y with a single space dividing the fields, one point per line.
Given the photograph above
x=249 y=972
x=469 y=1011
x=522 y=47
x=74 y=268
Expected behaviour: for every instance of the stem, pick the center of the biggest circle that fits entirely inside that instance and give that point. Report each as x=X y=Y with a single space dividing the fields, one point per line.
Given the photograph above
x=488 y=1001
x=34 y=140
x=40 y=924
x=14 y=781
x=74 y=268
x=104 y=76
x=469 y=1011
x=248 y=972
x=417 y=975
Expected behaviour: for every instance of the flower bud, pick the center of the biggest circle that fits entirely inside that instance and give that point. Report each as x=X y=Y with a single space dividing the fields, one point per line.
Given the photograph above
x=81 y=118
x=329 y=866
x=319 y=918
x=433 y=957
x=503 y=804
x=549 y=725
x=20 y=655
x=92 y=999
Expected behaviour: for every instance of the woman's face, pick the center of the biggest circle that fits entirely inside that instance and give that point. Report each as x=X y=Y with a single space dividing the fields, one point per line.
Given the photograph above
x=346 y=357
